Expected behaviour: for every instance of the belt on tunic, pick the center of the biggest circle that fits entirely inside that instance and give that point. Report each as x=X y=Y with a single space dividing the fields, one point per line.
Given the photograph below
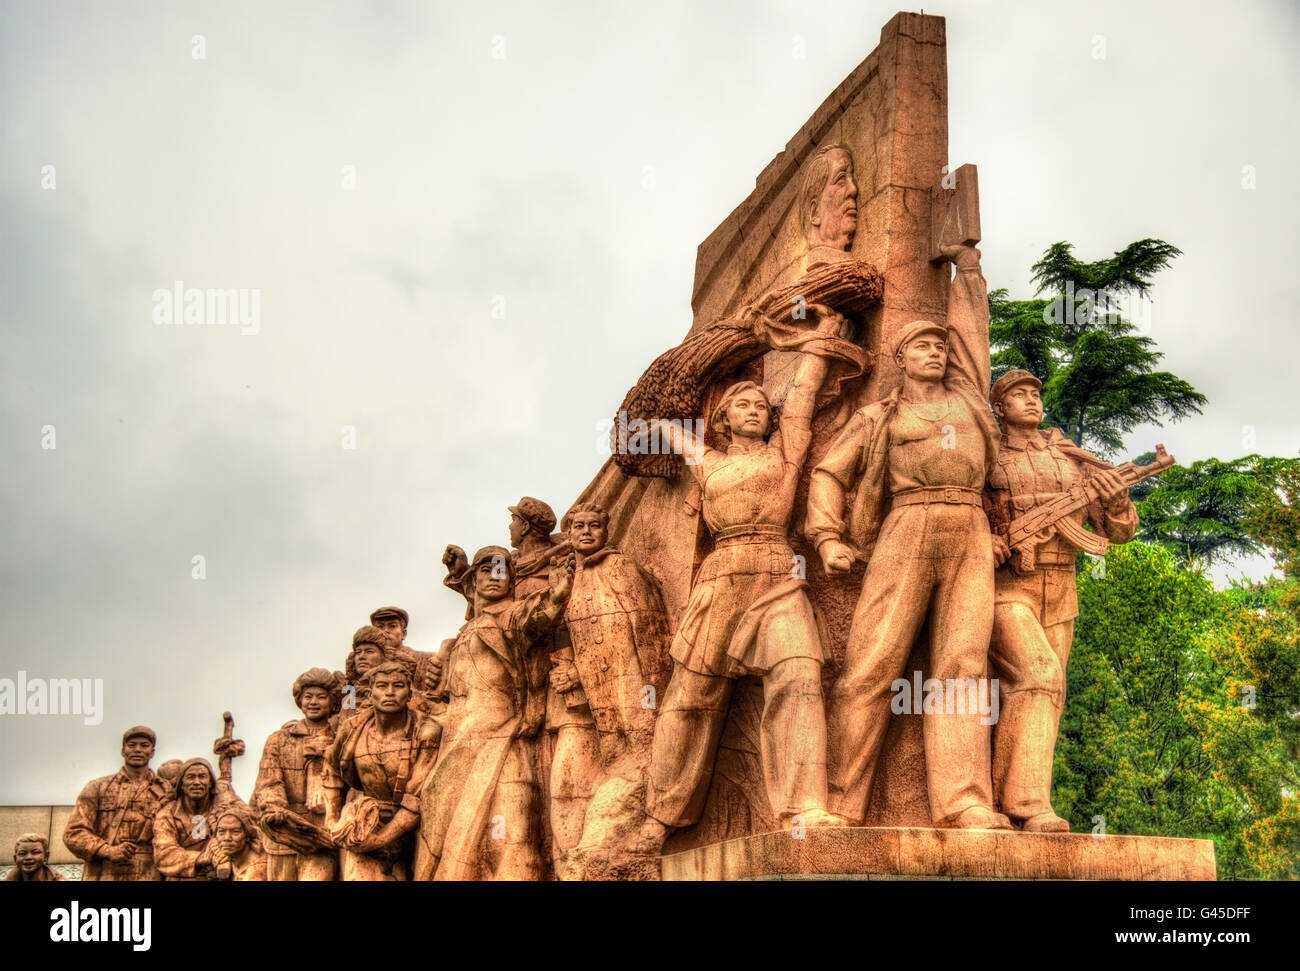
x=750 y=529
x=955 y=495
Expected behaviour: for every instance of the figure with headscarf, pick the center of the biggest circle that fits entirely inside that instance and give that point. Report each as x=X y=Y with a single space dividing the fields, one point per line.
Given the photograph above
x=749 y=612
x=238 y=853
x=289 y=794
x=183 y=829
x=480 y=816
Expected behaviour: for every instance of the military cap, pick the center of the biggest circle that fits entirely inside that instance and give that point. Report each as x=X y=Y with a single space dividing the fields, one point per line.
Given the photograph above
x=915 y=329
x=489 y=554
x=140 y=731
x=383 y=613
x=1009 y=380
x=535 y=513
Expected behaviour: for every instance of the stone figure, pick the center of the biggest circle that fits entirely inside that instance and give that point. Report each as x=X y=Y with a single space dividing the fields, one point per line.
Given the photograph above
x=238 y=854
x=568 y=752
x=619 y=631
x=170 y=773
x=183 y=829
x=480 y=814
x=31 y=855
x=828 y=200
x=289 y=795
x=748 y=612
x=394 y=621
x=370 y=648
x=378 y=763
x=112 y=824
x=1035 y=602
x=918 y=461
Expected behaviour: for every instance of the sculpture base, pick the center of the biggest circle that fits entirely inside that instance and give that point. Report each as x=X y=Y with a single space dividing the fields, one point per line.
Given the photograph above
x=914 y=853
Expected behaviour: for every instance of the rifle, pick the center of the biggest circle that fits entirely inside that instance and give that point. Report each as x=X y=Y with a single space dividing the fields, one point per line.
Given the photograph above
x=1042 y=522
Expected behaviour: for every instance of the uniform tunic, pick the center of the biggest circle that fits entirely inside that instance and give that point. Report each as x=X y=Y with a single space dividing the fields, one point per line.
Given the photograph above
x=114 y=810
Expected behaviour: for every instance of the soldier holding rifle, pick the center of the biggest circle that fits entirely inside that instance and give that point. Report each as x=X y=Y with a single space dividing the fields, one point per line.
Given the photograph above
x=1041 y=492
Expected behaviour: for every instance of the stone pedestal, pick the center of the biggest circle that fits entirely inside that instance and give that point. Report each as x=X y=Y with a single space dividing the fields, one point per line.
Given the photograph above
x=913 y=853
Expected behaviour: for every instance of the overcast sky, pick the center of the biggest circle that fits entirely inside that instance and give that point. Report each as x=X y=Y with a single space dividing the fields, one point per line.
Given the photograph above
x=521 y=177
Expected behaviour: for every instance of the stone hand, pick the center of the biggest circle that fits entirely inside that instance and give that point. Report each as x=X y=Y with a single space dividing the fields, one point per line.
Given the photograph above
x=454 y=559
x=274 y=814
x=831 y=322
x=837 y=558
x=1110 y=484
x=120 y=852
x=1001 y=551
x=431 y=673
x=965 y=257
x=564 y=678
x=562 y=578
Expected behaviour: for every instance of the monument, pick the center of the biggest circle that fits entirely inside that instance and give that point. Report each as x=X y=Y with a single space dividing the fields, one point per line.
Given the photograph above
x=861 y=221
x=818 y=496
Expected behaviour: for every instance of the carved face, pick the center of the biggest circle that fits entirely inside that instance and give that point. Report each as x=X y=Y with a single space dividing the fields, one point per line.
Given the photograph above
x=834 y=219
x=1021 y=406
x=230 y=835
x=518 y=529
x=925 y=358
x=749 y=415
x=390 y=693
x=29 y=856
x=196 y=783
x=137 y=752
x=365 y=656
x=491 y=580
x=587 y=532
x=314 y=702
x=394 y=628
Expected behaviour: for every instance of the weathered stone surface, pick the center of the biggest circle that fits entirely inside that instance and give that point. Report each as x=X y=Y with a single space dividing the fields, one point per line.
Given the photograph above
x=893 y=853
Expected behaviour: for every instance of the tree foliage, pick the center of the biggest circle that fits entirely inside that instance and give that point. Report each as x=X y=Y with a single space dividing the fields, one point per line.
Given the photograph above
x=1183 y=711
x=1211 y=511
x=1098 y=369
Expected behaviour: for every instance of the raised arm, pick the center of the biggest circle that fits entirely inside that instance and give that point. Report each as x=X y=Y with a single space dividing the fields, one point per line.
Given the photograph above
x=801 y=400
x=968 y=319
x=681 y=441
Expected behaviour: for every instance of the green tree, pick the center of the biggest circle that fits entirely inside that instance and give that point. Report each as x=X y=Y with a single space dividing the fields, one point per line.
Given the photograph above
x=1125 y=750
x=1275 y=520
x=1202 y=513
x=1246 y=710
x=1098 y=370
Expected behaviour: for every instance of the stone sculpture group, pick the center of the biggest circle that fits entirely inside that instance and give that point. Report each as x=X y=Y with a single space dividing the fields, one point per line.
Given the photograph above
x=617 y=683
